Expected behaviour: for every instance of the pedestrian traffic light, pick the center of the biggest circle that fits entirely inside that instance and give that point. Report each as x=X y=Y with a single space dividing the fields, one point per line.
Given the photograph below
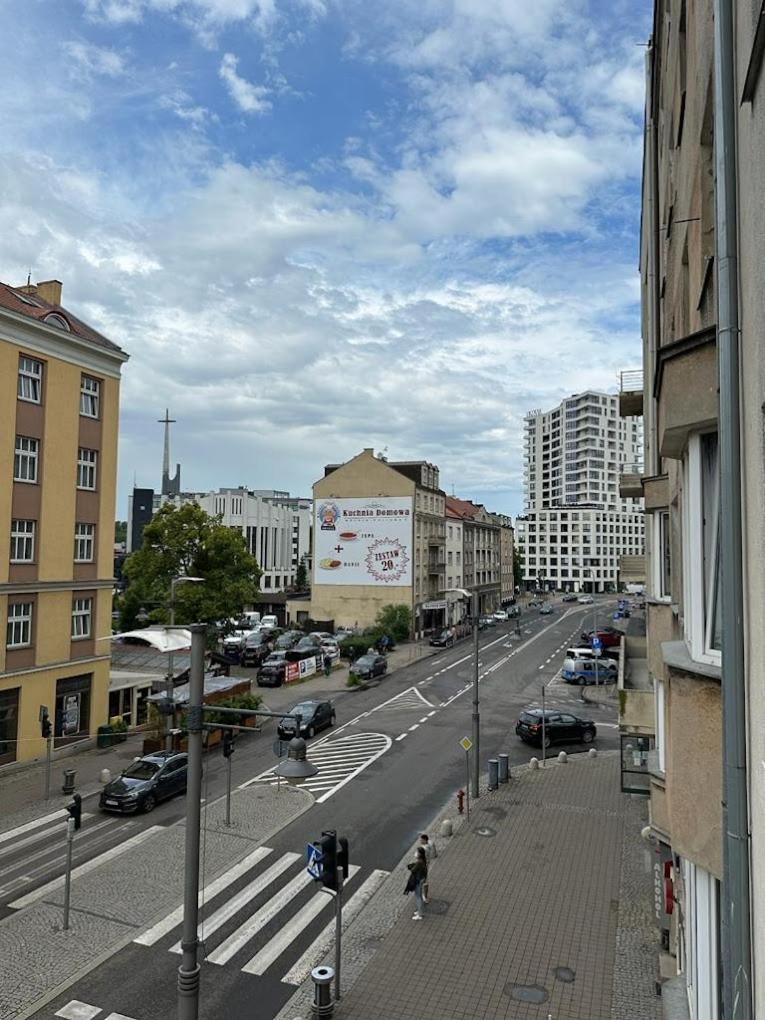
x=45 y=727
x=75 y=810
x=328 y=846
x=228 y=743
x=342 y=855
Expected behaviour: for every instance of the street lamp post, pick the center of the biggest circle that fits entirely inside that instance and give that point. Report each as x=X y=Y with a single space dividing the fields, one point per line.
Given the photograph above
x=169 y=685
x=476 y=720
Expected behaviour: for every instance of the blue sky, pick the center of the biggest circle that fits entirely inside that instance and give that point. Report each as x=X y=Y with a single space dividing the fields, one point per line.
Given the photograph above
x=318 y=226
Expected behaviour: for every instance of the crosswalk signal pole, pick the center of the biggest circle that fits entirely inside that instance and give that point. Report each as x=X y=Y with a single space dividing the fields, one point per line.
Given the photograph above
x=70 y=824
x=338 y=930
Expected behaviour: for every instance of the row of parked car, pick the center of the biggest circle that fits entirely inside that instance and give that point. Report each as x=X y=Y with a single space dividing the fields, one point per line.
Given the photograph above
x=592 y=662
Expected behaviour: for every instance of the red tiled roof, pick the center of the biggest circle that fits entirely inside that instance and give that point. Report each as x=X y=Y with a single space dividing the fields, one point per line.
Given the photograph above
x=461 y=507
x=38 y=309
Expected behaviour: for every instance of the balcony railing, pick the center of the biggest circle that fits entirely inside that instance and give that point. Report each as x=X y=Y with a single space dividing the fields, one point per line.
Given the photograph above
x=631 y=393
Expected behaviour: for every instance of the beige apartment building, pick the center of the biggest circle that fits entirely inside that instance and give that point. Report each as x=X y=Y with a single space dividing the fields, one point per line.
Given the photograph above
x=59 y=408
x=506 y=552
x=481 y=551
x=678 y=684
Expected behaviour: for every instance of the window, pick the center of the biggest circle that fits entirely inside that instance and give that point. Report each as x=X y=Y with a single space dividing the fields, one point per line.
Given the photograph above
x=701 y=574
x=22 y=541
x=87 y=461
x=662 y=566
x=660 y=722
x=19 y=630
x=25 y=459
x=30 y=380
x=82 y=611
x=83 y=542
x=90 y=396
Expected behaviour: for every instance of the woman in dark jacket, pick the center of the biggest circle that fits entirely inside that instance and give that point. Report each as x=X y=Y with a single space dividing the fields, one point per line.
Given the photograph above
x=418 y=869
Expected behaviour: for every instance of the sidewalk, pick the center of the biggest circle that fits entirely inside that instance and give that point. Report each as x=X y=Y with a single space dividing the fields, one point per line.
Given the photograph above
x=22 y=791
x=540 y=907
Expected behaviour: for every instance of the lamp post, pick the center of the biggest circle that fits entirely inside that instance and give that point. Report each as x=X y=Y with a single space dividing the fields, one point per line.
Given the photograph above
x=476 y=720
x=169 y=685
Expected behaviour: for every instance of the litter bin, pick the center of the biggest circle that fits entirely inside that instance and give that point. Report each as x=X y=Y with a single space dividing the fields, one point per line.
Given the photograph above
x=105 y=736
x=69 y=777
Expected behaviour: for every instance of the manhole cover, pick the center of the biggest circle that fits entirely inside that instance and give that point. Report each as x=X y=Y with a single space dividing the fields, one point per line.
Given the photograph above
x=485 y=830
x=527 y=993
x=564 y=974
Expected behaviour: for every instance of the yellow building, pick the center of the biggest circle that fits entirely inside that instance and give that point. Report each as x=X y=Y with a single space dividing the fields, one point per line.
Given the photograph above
x=59 y=412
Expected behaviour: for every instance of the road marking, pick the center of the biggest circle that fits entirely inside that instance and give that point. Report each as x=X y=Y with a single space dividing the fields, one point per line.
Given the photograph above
x=425 y=718
x=28 y=826
x=166 y=925
x=83 y=869
x=401 y=736
x=432 y=713
x=410 y=698
x=416 y=726
x=273 y=949
x=322 y=944
x=76 y=1010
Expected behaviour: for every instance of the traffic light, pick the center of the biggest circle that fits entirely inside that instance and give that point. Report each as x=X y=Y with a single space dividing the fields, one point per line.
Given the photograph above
x=75 y=810
x=342 y=855
x=328 y=847
x=228 y=743
x=45 y=726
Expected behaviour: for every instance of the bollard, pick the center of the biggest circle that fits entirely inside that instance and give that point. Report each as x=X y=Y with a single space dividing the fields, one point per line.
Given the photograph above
x=493 y=773
x=533 y=763
x=69 y=777
x=106 y=777
x=460 y=801
x=562 y=757
x=504 y=768
x=446 y=828
x=592 y=753
x=322 y=1004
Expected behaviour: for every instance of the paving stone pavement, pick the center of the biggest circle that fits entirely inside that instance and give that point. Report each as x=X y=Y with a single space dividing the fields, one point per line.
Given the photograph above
x=526 y=902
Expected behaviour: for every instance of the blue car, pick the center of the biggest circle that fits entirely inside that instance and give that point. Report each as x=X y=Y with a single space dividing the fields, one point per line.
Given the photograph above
x=589 y=671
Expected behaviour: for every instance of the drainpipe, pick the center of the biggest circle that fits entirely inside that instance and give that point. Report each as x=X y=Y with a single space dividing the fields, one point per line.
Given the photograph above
x=649 y=404
x=735 y=899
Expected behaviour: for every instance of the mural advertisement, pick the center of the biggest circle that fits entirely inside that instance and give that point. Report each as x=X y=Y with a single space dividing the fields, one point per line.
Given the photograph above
x=366 y=541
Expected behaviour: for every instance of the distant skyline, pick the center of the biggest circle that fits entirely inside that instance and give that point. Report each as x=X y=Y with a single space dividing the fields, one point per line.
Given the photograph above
x=317 y=226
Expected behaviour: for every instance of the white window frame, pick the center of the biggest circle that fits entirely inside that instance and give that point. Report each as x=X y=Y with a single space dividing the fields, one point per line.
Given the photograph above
x=702 y=968
x=30 y=378
x=82 y=618
x=661 y=551
x=18 y=632
x=87 y=469
x=700 y=572
x=23 y=533
x=660 y=723
x=84 y=541
x=90 y=396
x=26 y=452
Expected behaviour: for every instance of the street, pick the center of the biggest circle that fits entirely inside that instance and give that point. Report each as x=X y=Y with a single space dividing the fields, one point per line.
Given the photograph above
x=386 y=769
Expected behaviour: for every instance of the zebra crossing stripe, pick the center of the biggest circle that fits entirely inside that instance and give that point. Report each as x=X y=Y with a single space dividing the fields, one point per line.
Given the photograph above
x=166 y=925
x=321 y=945
x=411 y=698
x=262 y=960
x=214 y=921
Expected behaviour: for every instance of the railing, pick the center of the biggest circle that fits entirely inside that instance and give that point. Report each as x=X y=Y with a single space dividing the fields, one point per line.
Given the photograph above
x=636 y=468
x=631 y=381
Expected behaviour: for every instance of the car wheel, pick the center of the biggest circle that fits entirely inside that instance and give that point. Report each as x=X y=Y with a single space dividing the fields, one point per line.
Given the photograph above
x=149 y=803
x=587 y=737
x=546 y=741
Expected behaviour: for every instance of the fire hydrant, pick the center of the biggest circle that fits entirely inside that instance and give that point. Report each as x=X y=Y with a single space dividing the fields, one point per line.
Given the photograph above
x=460 y=801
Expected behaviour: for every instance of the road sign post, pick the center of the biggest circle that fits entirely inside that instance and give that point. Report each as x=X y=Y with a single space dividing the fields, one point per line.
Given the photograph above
x=70 y=824
x=338 y=930
x=466 y=743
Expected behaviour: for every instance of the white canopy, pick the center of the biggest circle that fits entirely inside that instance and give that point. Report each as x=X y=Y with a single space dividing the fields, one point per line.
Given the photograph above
x=161 y=639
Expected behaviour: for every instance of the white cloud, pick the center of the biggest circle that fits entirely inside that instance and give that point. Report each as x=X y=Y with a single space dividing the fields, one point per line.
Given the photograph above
x=248 y=97
x=93 y=60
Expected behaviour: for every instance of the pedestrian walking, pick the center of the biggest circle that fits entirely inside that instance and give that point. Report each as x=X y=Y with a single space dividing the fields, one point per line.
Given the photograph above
x=418 y=876
x=327 y=664
x=431 y=852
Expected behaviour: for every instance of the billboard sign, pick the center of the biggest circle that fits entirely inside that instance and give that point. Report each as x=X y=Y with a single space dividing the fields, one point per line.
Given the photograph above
x=365 y=540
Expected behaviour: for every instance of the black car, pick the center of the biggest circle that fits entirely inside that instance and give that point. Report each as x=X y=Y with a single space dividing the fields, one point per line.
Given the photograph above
x=570 y=597
x=368 y=666
x=287 y=640
x=560 y=727
x=273 y=671
x=257 y=647
x=147 y=781
x=314 y=716
x=304 y=649
x=443 y=640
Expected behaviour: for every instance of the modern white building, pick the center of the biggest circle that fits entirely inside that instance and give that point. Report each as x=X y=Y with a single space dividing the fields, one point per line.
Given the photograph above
x=576 y=526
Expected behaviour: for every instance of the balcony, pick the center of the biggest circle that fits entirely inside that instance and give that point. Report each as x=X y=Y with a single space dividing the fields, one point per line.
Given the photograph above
x=631 y=481
x=632 y=569
x=437 y=541
x=631 y=394
x=436 y=568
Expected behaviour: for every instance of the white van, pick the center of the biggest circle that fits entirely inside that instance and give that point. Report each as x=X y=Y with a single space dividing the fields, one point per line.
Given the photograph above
x=269 y=621
x=581 y=653
x=252 y=618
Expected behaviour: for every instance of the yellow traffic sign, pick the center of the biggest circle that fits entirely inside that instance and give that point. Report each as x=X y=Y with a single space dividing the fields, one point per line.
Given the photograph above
x=466 y=743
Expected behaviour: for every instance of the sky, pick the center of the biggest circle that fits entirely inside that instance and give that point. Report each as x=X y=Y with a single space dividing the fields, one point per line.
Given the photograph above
x=323 y=225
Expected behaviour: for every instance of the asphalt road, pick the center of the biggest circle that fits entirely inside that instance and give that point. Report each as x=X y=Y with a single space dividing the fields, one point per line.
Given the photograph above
x=408 y=730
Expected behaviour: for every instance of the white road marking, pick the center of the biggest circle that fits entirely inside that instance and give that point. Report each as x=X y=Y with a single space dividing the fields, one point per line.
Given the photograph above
x=83 y=869
x=76 y=1010
x=21 y=829
x=416 y=726
x=401 y=736
x=321 y=945
x=432 y=713
x=425 y=718
x=166 y=925
x=260 y=963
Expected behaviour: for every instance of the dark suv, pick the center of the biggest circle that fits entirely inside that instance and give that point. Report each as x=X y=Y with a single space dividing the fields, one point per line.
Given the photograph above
x=314 y=716
x=257 y=648
x=273 y=671
x=560 y=727
x=147 y=781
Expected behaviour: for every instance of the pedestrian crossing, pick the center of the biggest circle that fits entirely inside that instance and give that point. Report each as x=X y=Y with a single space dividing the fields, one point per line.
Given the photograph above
x=409 y=700
x=339 y=759
x=77 y=1010
x=264 y=922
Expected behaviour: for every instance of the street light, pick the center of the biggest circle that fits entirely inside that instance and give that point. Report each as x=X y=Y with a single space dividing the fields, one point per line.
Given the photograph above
x=169 y=685
x=296 y=768
x=476 y=717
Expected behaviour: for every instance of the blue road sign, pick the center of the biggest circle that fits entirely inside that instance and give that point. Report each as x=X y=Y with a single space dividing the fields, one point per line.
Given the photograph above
x=313 y=856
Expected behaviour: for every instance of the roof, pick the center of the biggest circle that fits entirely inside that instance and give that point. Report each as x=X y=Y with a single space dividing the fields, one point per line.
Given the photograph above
x=460 y=507
x=34 y=307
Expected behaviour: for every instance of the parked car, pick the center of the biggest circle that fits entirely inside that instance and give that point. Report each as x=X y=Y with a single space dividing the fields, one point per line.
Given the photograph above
x=233 y=643
x=444 y=639
x=288 y=640
x=534 y=603
x=146 y=782
x=368 y=666
x=569 y=597
x=580 y=652
x=560 y=727
x=257 y=647
x=589 y=671
x=489 y=621
x=546 y=609
x=322 y=635
x=343 y=632
x=500 y=615
x=513 y=612
x=268 y=621
x=585 y=600
x=610 y=637
x=304 y=649
x=308 y=718
x=273 y=671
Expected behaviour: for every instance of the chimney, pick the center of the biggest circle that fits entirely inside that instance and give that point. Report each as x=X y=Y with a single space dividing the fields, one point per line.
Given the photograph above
x=50 y=291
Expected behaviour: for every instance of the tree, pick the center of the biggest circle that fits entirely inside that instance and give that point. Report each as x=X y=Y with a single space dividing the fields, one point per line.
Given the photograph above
x=187 y=541
x=396 y=621
x=518 y=565
x=301 y=578
x=120 y=532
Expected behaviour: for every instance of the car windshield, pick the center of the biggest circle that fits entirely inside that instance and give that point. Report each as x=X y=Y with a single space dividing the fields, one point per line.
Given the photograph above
x=365 y=660
x=305 y=709
x=256 y=639
x=275 y=657
x=141 y=770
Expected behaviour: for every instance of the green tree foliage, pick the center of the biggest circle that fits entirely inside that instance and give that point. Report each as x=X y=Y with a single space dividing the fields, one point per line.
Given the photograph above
x=301 y=578
x=187 y=541
x=395 y=620
x=518 y=565
x=120 y=531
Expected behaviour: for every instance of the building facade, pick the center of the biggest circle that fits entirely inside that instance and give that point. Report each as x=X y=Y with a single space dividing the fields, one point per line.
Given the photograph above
x=577 y=523
x=59 y=412
x=480 y=551
x=506 y=558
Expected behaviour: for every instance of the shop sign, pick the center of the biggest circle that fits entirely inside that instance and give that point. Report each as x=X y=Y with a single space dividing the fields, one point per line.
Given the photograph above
x=71 y=715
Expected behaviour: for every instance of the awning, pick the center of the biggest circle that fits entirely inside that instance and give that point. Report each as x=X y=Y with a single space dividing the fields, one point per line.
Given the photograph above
x=162 y=639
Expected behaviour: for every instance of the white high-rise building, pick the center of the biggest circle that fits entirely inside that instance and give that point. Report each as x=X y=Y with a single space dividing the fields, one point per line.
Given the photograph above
x=575 y=525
